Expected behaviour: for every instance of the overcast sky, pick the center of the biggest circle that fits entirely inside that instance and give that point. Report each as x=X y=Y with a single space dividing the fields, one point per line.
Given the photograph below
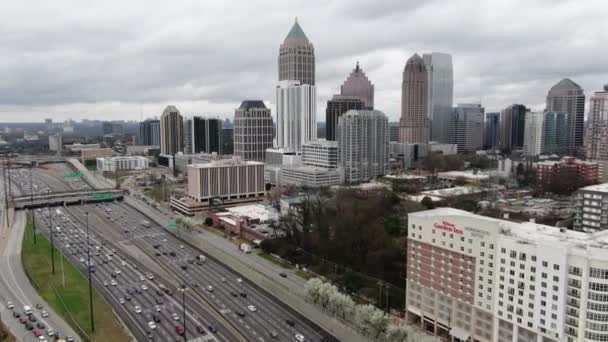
x=114 y=59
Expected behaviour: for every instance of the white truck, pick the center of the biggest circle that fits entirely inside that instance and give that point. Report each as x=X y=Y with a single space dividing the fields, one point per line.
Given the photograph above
x=245 y=247
x=27 y=309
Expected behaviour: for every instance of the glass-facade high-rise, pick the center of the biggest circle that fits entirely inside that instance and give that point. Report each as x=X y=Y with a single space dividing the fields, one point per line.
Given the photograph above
x=567 y=96
x=491 y=130
x=337 y=106
x=556 y=133
x=440 y=94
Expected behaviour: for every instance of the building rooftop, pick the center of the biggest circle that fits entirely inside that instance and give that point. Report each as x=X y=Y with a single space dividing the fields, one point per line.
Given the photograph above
x=260 y=212
x=234 y=161
x=248 y=104
x=598 y=187
x=296 y=33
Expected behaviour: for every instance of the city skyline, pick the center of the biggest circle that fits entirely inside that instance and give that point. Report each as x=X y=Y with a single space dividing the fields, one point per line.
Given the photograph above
x=93 y=63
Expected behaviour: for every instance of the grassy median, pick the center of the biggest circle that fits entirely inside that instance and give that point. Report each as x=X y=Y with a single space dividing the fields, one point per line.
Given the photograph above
x=37 y=264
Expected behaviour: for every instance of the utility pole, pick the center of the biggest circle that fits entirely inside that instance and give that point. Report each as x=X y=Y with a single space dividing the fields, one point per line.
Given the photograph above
x=89 y=272
x=32 y=205
x=52 y=244
x=5 y=192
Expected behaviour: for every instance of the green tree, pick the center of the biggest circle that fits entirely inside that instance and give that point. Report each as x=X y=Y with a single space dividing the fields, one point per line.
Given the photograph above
x=427 y=202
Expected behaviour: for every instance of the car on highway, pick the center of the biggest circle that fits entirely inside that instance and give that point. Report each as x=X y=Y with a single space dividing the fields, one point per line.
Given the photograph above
x=42 y=339
x=290 y=322
x=150 y=276
x=44 y=314
x=300 y=337
x=27 y=309
x=210 y=288
x=29 y=326
x=212 y=328
x=239 y=280
x=240 y=313
x=37 y=333
x=69 y=339
x=156 y=318
x=157 y=308
x=137 y=309
x=179 y=329
x=33 y=318
x=41 y=325
x=142 y=278
x=113 y=282
x=181 y=246
x=50 y=332
x=223 y=280
x=10 y=305
x=252 y=308
x=144 y=287
x=16 y=314
x=121 y=300
x=175 y=316
x=284 y=275
x=152 y=325
x=22 y=320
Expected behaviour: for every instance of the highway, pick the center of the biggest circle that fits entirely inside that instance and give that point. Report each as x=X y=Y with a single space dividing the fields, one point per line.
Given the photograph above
x=271 y=317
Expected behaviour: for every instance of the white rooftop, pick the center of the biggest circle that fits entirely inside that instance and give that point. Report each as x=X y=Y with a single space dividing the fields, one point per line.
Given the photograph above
x=598 y=187
x=255 y=211
x=450 y=192
x=464 y=174
x=234 y=161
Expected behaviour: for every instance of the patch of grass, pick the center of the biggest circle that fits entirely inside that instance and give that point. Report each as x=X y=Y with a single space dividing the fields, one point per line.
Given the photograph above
x=274 y=260
x=304 y=275
x=5 y=335
x=37 y=264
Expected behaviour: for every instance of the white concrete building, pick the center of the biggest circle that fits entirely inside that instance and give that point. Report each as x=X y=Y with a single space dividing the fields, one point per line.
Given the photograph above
x=533 y=133
x=312 y=176
x=296 y=114
x=112 y=164
x=56 y=142
x=320 y=153
x=227 y=180
x=592 y=208
x=485 y=279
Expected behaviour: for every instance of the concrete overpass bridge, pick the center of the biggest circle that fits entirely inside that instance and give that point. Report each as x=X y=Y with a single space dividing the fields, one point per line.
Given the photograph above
x=63 y=198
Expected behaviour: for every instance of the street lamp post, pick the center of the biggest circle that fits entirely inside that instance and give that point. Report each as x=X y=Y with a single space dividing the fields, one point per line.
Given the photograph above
x=32 y=204
x=89 y=273
x=52 y=243
x=183 y=289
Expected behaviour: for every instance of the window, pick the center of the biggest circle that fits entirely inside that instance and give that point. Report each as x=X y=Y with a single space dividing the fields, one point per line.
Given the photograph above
x=556 y=267
x=545 y=264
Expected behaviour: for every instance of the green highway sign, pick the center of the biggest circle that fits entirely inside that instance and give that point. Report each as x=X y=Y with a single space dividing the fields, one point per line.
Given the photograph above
x=73 y=175
x=172 y=226
x=102 y=196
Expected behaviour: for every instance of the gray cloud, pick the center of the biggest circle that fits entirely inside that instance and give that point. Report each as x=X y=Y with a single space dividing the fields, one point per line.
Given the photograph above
x=111 y=58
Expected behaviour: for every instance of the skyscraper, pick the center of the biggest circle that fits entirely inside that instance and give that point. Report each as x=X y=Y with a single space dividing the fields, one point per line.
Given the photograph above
x=491 y=130
x=512 y=124
x=533 y=134
x=567 y=96
x=203 y=135
x=597 y=126
x=296 y=114
x=414 y=123
x=171 y=131
x=363 y=146
x=253 y=130
x=357 y=84
x=338 y=105
x=149 y=132
x=466 y=125
x=440 y=94
x=297 y=57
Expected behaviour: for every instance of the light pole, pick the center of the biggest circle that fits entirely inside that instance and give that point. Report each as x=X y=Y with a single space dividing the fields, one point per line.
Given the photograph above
x=52 y=244
x=183 y=289
x=32 y=204
x=89 y=272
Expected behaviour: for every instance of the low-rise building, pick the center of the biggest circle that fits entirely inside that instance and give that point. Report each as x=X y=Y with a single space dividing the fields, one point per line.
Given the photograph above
x=567 y=172
x=56 y=142
x=320 y=153
x=113 y=164
x=592 y=208
x=312 y=176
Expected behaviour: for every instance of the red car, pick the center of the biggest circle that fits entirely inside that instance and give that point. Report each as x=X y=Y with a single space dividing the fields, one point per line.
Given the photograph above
x=22 y=320
x=179 y=330
x=37 y=333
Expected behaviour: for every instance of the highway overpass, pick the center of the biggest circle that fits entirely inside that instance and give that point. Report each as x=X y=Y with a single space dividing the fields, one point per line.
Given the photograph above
x=66 y=198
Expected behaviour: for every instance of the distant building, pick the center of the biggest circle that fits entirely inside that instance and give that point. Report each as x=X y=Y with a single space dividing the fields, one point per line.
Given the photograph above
x=466 y=126
x=312 y=176
x=203 y=135
x=414 y=122
x=393 y=131
x=296 y=114
x=338 y=105
x=229 y=180
x=568 y=171
x=183 y=160
x=320 y=153
x=363 y=146
x=358 y=85
x=491 y=130
x=567 y=96
x=149 y=132
x=113 y=164
x=597 y=126
x=171 y=131
x=108 y=127
x=556 y=133
x=591 y=211
x=68 y=126
x=253 y=130
x=533 y=137
x=80 y=147
x=227 y=139
x=407 y=155
x=89 y=156
x=512 y=123
x=297 y=57
x=56 y=143
x=440 y=94
x=445 y=149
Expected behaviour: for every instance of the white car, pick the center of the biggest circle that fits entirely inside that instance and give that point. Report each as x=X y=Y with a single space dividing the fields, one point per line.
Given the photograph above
x=181 y=246
x=144 y=287
x=105 y=283
x=121 y=300
x=113 y=282
x=210 y=288
x=117 y=271
x=175 y=316
x=50 y=332
x=41 y=338
x=137 y=309
x=142 y=278
x=157 y=308
x=300 y=338
x=150 y=276
x=152 y=325
x=44 y=314
x=223 y=280
x=10 y=305
x=124 y=263
x=252 y=308
x=239 y=280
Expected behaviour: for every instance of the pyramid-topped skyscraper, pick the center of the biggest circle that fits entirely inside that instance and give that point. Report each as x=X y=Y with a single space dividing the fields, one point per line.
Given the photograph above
x=297 y=57
x=357 y=84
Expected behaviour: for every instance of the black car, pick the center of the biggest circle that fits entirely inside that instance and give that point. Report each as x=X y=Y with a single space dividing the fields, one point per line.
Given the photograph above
x=201 y=330
x=234 y=294
x=184 y=267
x=172 y=254
x=212 y=328
x=240 y=313
x=191 y=261
x=160 y=293
x=40 y=325
x=159 y=301
x=283 y=275
x=29 y=326
x=128 y=298
x=33 y=318
x=156 y=318
x=16 y=314
x=290 y=322
x=157 y=254
x=129 y=291
x=243 y=294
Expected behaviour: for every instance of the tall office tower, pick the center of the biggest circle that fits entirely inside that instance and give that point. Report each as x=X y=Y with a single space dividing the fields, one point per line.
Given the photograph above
x=533 y=134
x=393 y=128
x=203 y=135
x=296 y=114
x=149 y=132
x=357 y=84
x=556 y=133
x=512 y=123
x=491 y=130
x=414 y=121
x=297 y=57
x=597 y=126
x=338 y=105
x=440 y=94
x=253 y=130
x=567 y=96
x=171 y=131
x=466 y=125
x=363 y=146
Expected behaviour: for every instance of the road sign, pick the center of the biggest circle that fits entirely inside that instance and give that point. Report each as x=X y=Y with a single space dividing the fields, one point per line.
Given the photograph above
x=73 y=175
x=172 y=226
x=102 y=196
